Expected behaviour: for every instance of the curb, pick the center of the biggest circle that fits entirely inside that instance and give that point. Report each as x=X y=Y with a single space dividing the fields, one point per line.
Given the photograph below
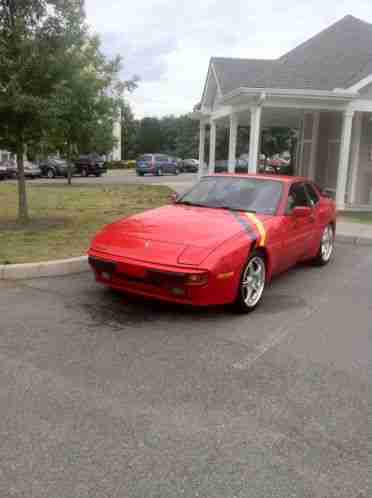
x=45 y=269
x=79 y=265
x=352 y=239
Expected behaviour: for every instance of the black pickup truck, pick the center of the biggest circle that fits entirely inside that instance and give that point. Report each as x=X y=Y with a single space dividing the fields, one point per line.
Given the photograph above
x=90 y=164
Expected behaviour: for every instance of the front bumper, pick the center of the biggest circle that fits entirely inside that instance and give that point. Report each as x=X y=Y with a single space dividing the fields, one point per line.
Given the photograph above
x=161 y=282
x=146 y=169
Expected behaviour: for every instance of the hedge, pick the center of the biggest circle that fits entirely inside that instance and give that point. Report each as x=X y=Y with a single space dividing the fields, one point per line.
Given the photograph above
x=131 y=164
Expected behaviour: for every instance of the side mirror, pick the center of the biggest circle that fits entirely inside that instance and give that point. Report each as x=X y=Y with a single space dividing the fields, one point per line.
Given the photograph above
x=173 y=197
x=301 y=211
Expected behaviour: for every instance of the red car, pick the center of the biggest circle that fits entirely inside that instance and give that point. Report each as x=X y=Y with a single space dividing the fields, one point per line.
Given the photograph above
x=219 y=243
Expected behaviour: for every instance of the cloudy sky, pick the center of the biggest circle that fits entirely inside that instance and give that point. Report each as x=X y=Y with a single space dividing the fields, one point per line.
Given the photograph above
x=168 y=43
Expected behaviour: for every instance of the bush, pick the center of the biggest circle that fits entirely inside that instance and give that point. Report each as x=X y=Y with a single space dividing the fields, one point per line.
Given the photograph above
x=121 y=164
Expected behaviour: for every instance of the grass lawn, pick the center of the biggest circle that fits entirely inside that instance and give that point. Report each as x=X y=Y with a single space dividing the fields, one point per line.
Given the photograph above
x=357 y=217
x=64 y=219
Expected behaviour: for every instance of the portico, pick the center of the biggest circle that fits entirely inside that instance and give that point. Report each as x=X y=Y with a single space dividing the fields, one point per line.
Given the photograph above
x=334 y=124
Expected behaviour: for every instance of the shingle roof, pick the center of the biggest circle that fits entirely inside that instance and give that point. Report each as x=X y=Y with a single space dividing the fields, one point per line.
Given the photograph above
x=235 y=73
x=337 y=57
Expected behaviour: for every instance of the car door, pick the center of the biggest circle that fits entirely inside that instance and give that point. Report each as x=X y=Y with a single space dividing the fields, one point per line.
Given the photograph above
x=171 y=165
x=296 y=232
x=320 y=216
x=162 y=162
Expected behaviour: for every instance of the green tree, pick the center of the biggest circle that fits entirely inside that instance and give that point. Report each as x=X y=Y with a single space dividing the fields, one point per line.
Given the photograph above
x=35 y=38
x=276 y=140
x=187 y=140
x=87 y=101
x=150 y=137
x=129 y=132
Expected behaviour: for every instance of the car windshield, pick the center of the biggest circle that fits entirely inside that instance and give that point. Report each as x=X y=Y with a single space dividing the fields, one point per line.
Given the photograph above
x=235 y=193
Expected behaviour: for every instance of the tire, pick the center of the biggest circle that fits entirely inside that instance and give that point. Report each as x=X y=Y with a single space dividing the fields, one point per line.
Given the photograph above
x=176 y=171
x=84 y=173
x=159 y=172
x=97 y=175
x=50 y=174
x=326 y=246
x=249 y=294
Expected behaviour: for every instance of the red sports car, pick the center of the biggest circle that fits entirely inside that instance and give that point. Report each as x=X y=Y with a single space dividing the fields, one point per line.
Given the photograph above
x=219 y=243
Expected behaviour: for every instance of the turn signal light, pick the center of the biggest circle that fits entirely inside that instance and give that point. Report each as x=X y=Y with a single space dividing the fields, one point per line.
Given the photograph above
x=196 y=279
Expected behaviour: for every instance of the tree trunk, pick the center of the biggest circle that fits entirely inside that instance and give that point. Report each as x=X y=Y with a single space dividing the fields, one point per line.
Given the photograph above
x=23 y=216
x=69 y=164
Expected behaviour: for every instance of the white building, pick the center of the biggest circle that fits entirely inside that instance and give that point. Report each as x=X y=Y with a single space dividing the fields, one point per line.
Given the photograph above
x=323 y=88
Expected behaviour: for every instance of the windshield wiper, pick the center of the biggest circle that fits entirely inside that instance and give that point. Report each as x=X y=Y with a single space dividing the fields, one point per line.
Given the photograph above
x=189 y=203
x=232 y=208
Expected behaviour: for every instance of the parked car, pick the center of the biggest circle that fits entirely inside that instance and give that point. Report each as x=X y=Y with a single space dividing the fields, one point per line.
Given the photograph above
x=219 y=243
x=241 y=166
x=53 y=167
x=3 y=172
x=278 y=166
x=32 y=171
x=190 y=165
x=10 y=167
x=157 y=164
x=179 y=162
x=90 y=164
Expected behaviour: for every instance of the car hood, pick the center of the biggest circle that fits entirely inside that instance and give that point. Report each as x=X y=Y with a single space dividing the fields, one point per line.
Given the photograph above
x=170 y=235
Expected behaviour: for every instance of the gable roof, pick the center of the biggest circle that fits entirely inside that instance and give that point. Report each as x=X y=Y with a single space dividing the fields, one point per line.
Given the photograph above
x=235 y=73
x=337 y=57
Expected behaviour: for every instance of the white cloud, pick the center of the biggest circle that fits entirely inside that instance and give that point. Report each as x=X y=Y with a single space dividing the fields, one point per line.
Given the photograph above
x=168 y=43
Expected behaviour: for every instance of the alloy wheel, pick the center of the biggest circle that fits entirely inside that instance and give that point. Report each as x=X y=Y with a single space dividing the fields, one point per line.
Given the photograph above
x=327 y=243
x=253 y=281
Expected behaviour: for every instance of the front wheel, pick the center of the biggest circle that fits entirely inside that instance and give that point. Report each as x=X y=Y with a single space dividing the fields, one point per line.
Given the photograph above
x=176 y=171
x=84 y=173
x=252 y=283
x=326 y=248
x=160 y=172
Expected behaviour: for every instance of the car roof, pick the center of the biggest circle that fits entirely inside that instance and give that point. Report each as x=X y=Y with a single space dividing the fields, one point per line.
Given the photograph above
x=279 y=178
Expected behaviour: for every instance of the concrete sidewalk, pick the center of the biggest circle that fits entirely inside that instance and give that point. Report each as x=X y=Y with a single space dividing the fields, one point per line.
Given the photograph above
x=349 y=231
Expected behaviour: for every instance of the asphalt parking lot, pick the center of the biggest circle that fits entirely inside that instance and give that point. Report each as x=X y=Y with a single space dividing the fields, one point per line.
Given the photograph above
x=116 y=177
x=105 y=396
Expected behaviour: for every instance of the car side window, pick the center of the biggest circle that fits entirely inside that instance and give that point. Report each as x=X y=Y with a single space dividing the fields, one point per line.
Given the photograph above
x=297 y=197
x=312 y=193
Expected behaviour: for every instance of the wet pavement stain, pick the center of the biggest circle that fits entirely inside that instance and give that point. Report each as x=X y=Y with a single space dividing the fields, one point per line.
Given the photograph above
x=119 y=311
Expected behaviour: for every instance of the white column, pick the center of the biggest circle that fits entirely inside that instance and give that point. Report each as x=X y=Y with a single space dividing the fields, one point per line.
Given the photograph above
x=300 y=147
x=116 y=153
x=314 y=145
x=233 y=136
x=343 y=164
x=212 y=147
x=254 y=138
x=355 y=156
x=201 y=149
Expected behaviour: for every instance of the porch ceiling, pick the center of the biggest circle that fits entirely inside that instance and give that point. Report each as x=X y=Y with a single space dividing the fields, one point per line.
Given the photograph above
x=289 y=118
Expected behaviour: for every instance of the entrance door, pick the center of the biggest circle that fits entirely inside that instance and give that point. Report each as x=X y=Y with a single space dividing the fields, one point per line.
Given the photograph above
x=333 y=155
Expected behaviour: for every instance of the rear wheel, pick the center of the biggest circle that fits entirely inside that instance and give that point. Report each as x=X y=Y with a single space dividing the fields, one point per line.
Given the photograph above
x=50 y=173
x=176 y=171
x=98 y=175
x=252 y=283
x=159 y=172
x=326 y=247
x=84 y=173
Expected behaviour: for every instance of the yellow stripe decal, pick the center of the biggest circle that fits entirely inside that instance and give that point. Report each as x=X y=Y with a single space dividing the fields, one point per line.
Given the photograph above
x=260 y=227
